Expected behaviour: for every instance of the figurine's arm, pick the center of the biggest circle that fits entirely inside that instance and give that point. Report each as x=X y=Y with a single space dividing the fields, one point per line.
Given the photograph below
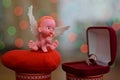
x=50 y=44
x=49 y=40
x=33 y=45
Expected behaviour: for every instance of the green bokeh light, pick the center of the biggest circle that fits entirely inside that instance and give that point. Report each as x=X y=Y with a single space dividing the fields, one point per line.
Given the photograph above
x=6 y=3
x=2 y=45
x=11 y=30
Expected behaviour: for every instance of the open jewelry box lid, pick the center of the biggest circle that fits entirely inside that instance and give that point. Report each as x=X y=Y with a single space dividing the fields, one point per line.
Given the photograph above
x=102 y=42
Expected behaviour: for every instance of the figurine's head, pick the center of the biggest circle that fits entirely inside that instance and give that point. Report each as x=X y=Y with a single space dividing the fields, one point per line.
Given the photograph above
x=46 y=26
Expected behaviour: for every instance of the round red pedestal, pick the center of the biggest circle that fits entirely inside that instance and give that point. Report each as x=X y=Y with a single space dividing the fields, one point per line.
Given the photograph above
x=33 y=76
x=32 y=65
x=75 y=77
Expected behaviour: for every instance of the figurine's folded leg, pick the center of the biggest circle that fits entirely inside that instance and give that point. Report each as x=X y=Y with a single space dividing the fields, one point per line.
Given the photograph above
x=44 y=49
x=32 y=45
x=35 y=48
x=53 y=45
x=50 y=46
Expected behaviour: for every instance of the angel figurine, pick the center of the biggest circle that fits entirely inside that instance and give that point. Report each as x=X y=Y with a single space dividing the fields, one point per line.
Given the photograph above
x=45 y=30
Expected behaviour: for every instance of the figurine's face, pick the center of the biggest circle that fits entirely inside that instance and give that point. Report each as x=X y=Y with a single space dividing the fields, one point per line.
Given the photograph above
x=48 y=27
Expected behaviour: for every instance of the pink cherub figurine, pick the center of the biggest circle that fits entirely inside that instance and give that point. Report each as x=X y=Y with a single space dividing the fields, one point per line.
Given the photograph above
x=45 y=31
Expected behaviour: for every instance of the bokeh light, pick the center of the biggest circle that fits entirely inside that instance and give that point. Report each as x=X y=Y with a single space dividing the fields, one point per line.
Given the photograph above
x=84 y=48
x=6 y=3
x=11 y=30
x=2 y=45
x=54 y=15
x=116 y=26
x=23 y=24
x=19 y=42
x=18 y=11
x=117 y=5
x=54 y=1
x=72 y=37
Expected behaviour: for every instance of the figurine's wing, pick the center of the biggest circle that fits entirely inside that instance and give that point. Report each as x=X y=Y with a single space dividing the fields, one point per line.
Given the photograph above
x=60 y=30
x=33 y=22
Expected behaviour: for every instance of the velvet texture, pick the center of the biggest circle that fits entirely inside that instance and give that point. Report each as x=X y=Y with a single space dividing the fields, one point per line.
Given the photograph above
x=113 y=41
x=27 y=76
x=83 y=69
x=25 y=61
x=75 y=77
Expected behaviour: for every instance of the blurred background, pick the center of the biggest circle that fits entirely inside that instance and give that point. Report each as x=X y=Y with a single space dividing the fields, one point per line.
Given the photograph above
x=78 y=14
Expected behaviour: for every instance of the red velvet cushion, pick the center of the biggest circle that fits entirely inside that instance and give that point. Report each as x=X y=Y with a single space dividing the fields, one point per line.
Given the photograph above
x=82 y=69
x=31 y=61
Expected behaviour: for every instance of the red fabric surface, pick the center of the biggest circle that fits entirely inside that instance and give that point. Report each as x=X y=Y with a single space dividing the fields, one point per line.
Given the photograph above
x=31 y=61
x=37 y=76
x=74 y=77
x=82 y=69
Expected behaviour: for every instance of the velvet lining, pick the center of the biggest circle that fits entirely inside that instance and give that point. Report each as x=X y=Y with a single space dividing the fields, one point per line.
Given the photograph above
x=94 y=35
x=113 y=41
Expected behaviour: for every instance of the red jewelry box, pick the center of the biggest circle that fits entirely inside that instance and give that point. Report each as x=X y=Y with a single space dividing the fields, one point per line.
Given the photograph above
x=102 y=42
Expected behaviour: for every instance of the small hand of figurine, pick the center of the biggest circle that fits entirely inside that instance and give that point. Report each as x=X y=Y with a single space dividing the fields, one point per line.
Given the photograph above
x=32 y=45
x=53 y=45
x=44 y=31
